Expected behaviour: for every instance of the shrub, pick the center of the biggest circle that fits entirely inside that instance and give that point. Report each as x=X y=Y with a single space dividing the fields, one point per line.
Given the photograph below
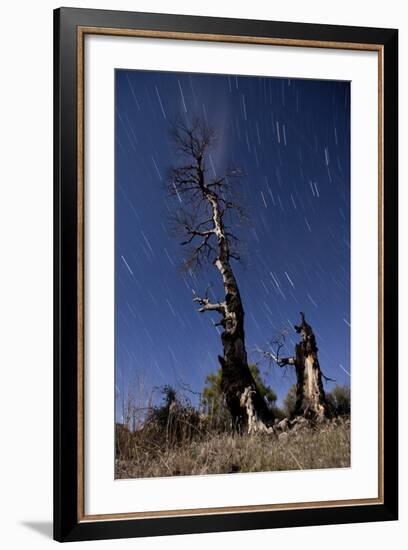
x=338 y=401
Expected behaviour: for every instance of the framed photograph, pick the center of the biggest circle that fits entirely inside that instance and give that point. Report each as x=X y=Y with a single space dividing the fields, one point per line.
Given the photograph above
x=225 y=274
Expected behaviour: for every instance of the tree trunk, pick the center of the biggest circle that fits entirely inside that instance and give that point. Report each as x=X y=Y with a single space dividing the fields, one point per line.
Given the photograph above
x=310 y=396
x=246 y=405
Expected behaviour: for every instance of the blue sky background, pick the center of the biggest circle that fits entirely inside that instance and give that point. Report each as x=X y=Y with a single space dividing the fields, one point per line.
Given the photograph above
x=292 y=139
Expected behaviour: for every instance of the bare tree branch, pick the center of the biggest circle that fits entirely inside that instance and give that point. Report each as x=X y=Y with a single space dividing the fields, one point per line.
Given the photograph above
x=208 y=306
x=271 y=356
x=220 y=307
x=194 y=233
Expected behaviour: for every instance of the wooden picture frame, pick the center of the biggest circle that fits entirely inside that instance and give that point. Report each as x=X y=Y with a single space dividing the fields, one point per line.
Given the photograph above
x=71 y=26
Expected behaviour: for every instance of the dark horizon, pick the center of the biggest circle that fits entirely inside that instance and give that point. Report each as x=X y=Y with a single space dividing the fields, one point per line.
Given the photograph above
x=292 y=139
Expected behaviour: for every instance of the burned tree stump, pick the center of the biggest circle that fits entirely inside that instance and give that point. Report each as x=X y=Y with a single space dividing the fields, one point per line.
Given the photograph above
x=310 y=395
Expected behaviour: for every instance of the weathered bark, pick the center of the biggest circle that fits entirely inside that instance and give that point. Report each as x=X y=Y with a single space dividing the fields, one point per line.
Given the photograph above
x=242 y=396
x=246 y=405
x=257 y=419
x=310 y=396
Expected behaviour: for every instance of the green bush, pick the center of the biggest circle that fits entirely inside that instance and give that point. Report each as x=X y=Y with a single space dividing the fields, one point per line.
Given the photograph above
x=289 y=403
x=338 y=401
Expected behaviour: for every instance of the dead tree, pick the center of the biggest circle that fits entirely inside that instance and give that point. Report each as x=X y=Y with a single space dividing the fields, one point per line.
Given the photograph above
x=310 y=395
x=205 y=219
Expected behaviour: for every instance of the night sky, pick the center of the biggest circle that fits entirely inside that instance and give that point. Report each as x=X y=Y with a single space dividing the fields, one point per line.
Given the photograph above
x=291 y=137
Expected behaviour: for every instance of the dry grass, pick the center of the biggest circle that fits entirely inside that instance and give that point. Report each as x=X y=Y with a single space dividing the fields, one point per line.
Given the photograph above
x=207 y=452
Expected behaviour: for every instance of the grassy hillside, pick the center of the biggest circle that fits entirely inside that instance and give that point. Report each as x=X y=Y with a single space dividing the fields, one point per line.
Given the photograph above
x=207 y=452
